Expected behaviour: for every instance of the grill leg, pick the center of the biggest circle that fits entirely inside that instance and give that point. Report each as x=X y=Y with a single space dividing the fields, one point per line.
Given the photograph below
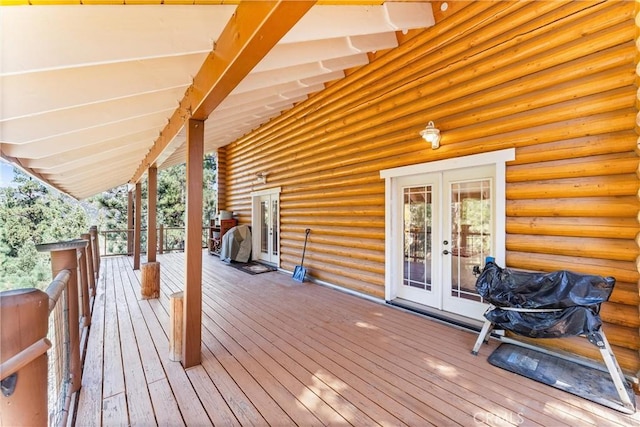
x=486 y=328
x=600 y=340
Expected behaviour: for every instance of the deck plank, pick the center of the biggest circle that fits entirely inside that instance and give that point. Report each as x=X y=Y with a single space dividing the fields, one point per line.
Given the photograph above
x=113 y=381
x=138 y=399
x=90 y=395
x=280 y=352
x=164 y=404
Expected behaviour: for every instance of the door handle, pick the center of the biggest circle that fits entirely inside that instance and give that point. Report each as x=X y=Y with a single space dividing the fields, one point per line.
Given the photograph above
x=446 y=252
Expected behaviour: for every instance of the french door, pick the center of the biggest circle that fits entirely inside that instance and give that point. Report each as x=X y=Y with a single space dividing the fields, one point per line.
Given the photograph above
x=445 y=224
x=265 y=227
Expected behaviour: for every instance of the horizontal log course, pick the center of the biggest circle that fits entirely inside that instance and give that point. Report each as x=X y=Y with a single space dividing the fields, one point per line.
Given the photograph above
x=375 y=235
x=620 y=314
x=613 y=207
x=360 y=194
x=587 y=166
x=623 y=271
x=335 y=200
x=593 y=186
x=607 y=228
x=588 y=146
x=625 y=293
x=323 y=220
x=607 y=249
x=577 y=127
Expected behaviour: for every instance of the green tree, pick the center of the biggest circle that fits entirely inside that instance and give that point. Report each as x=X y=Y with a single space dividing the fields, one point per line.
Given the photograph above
x=31 y=214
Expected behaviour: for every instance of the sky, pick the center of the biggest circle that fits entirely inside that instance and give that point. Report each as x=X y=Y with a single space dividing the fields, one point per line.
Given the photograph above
x=6 y=174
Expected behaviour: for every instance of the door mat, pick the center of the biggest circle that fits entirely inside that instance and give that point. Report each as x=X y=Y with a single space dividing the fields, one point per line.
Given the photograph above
x=252 y=267
x=583 y=381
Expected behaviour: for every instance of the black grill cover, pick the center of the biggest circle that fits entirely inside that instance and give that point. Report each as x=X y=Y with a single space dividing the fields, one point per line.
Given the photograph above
x=577 y=295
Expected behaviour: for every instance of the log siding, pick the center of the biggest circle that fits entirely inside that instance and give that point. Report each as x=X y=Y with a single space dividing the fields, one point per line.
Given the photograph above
x=555 y=80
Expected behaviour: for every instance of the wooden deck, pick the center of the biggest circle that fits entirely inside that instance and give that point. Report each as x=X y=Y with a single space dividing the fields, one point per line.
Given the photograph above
x=278 y=352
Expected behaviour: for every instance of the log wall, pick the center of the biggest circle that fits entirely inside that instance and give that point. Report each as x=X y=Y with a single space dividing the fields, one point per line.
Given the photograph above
x=555 y=80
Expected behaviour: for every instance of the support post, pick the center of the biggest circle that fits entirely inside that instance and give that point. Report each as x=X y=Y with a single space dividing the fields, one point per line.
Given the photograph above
x=90 y=262
x=64 y=256
x=152 y=191
x=161 y=239
x=24 y=315
x=150 y=282
x=175 y=326
x=85 y=278
x=95 y=249
x=192 y=323
x=129 y=223
x=136 y=227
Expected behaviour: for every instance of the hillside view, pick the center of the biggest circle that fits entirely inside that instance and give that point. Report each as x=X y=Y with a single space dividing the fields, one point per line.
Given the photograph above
x=32 y=213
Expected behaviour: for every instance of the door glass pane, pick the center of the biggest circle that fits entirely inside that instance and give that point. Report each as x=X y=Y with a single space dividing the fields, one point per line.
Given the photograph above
x=417 y=214
x=274 y=216
x=471 y=234
x=264 y=224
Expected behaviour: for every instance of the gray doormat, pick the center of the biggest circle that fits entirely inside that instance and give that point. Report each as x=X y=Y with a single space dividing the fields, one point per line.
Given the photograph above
x=583 y=381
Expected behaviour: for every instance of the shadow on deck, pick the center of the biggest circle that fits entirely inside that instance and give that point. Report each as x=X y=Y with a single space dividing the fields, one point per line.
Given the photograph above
x=278 y=352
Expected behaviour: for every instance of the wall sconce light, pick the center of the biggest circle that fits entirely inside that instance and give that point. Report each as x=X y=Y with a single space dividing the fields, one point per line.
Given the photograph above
x=261 y=177
x=431 y=134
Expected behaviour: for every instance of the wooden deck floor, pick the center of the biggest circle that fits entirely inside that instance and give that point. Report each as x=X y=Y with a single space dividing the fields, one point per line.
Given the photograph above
x=278 y=352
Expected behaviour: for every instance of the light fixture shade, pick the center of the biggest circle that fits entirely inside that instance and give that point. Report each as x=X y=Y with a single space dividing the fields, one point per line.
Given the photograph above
x=431 y=134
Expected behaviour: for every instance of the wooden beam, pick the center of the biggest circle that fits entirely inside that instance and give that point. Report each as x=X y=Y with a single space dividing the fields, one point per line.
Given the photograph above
x=136 y=227
x=253 y=30
x=192 y=302
x=152 y=195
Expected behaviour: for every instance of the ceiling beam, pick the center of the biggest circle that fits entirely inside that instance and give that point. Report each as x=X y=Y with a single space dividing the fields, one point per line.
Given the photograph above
x=253 y=30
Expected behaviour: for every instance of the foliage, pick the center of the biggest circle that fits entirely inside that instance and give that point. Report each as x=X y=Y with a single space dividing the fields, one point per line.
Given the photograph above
x=170 y=206
x=30 y=214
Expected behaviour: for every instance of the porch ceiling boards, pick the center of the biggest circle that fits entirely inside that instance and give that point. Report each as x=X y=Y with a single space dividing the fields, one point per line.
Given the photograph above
x=88 y=88
x=279 y=352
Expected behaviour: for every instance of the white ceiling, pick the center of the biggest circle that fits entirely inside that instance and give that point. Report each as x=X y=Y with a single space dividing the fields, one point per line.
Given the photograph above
x=86 y=90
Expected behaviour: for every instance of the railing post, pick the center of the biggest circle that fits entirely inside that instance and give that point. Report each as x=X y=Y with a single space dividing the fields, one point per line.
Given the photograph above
x=95 y=241
x=161 y=239
x=87 y=281
x=24 y=315
x=90 y=271
x=64 y=257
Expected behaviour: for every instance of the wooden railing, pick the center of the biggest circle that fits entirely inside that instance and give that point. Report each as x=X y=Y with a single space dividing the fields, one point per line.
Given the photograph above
x=170 y=239
x=43 y=335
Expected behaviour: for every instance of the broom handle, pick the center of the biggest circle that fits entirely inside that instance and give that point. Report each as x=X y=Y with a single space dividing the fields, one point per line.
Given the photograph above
x=304 y=248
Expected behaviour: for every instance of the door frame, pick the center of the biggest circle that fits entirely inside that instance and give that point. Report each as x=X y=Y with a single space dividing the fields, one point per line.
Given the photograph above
x=393 y=269
x=255 y=220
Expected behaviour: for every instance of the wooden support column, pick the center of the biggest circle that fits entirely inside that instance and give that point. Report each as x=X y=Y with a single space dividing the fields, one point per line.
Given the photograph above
x=129 y=223
x=150 y=285
x=192 y=316
x=136 y=227
x=152 y=195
